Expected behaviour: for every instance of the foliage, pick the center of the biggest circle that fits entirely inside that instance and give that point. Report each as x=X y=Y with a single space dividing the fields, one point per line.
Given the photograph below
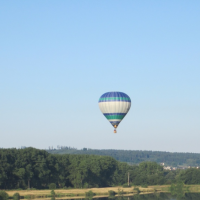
x=89 y=194
x=52 y=186
x=125 y=185
x=136 y=156
x=86 y=185
x=16 y=196
x=172 y=189
x=53 y=194
x=3 y=195
x=136 y=189
x=147 y=173
x=39 y=168
x=111 y=193
x=177 y=190
x=190 y=176
x=120 y=192
x=43 y=170
x=144 y=186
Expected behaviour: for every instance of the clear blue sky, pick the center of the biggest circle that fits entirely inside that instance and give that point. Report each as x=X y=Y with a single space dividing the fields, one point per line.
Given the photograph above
x=58 y=57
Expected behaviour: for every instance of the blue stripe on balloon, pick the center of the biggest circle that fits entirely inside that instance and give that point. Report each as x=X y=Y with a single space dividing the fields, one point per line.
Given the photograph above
x=115 y=122
x=114 y=94
x=122 y=100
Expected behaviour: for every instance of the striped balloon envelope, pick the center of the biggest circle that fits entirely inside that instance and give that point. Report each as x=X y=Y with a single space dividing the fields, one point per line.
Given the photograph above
x=114 y=106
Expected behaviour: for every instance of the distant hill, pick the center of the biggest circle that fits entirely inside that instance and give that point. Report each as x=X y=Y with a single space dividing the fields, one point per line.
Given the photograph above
x=136 y=156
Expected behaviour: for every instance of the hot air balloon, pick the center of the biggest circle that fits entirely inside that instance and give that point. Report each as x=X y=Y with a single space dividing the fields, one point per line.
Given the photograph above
x=114 y=106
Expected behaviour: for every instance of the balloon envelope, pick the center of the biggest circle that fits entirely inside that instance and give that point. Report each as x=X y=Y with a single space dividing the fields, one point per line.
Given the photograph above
x=114 y=106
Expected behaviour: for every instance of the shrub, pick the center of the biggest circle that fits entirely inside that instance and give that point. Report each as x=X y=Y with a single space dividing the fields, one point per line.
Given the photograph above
x=52 y=186
x=172 y=189
x=3 y=195
x=177 y=189
x=136 y=189
x=86 y=185
x=111 y=193
x=125 y=185
x=53 y=194
x=28 y=197
x=144 y=186
x=89 y=193
x=120 y=192
x=16 y=196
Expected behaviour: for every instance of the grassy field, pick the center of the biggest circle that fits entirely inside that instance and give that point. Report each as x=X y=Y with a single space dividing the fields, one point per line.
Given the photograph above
x=99 y=192
x=81 y=192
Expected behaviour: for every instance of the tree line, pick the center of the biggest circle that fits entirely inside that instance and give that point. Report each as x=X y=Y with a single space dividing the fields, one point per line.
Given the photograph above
x=135 y=157
x=33 y=168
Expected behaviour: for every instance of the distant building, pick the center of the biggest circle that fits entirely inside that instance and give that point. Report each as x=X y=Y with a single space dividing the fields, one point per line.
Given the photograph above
x=162 y=164
x=167 y=168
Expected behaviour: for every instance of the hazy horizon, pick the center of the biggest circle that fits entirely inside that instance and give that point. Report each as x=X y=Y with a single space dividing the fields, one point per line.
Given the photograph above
x=88 y=148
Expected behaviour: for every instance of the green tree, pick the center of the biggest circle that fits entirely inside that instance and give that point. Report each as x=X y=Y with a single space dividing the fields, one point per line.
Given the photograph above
x=3 y=195
x=16 y=196
x=52 y=186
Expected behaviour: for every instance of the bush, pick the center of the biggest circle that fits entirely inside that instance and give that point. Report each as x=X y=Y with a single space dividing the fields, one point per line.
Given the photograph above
x=52 y=186
x=86 y=185
x=120 y=192
x=53 y=194
x=144 y=186
x=125 y=185
x=89 y=193
x=16 y=196
x=136 y=189
x=3 y=195
x=28 y=197
x=177 y=189
x=111 y=193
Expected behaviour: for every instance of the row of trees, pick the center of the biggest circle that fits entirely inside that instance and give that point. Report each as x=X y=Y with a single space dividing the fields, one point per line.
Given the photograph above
x=136 y=157
x=25 y=168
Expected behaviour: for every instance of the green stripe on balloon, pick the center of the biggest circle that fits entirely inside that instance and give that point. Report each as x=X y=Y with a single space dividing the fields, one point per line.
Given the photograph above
x=114 y=116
